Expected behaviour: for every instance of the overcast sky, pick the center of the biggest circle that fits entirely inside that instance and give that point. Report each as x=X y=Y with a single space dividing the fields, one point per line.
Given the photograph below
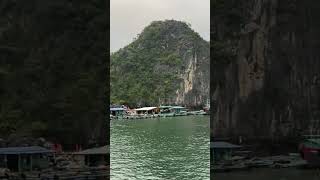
x=129 y=17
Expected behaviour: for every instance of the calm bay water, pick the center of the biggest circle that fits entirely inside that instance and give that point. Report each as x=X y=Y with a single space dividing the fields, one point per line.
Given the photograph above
x=166 y=148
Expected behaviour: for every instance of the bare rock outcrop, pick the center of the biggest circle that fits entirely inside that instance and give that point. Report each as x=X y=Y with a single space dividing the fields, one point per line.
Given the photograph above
x=265 y=83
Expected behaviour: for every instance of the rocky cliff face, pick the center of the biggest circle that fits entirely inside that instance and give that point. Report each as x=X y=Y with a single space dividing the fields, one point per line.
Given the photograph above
x=52 y=71
x=194 y=87
x=265 y=77
x=168 y=63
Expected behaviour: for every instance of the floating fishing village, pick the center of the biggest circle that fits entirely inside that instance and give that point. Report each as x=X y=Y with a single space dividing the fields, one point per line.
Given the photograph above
x=40 y=159
x=229 y=157
x=124 y=112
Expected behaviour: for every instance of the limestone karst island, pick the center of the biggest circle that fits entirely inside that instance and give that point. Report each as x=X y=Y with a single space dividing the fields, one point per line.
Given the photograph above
x=160 y=104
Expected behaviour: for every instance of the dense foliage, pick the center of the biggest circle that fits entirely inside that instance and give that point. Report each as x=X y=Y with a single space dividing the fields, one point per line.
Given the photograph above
x=53 y=70
x=227 y=20
x=148 y=70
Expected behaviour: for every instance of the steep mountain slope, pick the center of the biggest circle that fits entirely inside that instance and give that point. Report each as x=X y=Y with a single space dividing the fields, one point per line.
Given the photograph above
x=53 y=70
x=167 y=63
x=265 y=74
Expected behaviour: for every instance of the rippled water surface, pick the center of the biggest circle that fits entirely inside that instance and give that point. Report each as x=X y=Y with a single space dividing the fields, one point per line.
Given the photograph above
x=166 y=148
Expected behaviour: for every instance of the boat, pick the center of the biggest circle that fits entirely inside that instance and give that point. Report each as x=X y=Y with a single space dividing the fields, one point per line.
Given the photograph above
x=201 y=112
x=309 y=150
x=206 y=109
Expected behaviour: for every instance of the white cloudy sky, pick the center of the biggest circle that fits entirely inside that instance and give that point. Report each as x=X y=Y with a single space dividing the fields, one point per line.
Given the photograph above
x=129 y=17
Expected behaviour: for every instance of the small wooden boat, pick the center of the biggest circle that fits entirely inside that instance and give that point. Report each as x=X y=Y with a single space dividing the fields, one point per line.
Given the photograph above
x=309 y=149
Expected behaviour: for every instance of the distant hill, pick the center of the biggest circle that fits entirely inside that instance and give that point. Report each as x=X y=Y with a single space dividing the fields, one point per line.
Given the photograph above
x=168 y=63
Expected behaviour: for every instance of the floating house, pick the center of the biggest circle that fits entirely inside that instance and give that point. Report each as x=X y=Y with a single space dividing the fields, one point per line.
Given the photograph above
x=178 y=110
x=148 y=110
x=222 y=151
x=117 y=111
x=93 y=157
x=165 y=109
x=25 y=158
x=172 y=111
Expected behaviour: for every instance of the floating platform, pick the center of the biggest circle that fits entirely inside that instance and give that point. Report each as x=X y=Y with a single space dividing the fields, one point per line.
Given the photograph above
x=280 y=161
x=155 y=116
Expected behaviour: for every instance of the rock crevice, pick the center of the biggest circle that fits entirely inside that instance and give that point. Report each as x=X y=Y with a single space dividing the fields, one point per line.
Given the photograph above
x=269 y=88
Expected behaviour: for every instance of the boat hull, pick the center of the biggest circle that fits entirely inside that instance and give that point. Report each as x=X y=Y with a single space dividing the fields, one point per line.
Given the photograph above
x=311 y=155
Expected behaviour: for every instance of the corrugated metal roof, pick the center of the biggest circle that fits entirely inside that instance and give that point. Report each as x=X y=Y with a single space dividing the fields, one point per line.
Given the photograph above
x=177 y=107
x=116 y=109
x=165 y=106
x=146 y=108
x=25 y=150
x=99 y=150
x=222 y=144
x=316 y=141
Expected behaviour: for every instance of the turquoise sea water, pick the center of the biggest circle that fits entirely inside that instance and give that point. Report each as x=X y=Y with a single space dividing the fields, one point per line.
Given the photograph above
x=165 y=148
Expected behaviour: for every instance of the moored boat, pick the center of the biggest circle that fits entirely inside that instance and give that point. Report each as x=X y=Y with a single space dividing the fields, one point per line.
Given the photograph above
x=206 y=109
x=309 y=149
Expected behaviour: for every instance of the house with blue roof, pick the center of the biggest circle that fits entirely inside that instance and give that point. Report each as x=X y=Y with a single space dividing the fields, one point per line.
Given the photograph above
x=117 y=111
x=221 y=151
x=25 y=158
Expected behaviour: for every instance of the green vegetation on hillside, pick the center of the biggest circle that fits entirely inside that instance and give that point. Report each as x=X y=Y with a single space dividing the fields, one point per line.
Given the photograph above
x=226 y=14
x=148 y=69
x=53 y=70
